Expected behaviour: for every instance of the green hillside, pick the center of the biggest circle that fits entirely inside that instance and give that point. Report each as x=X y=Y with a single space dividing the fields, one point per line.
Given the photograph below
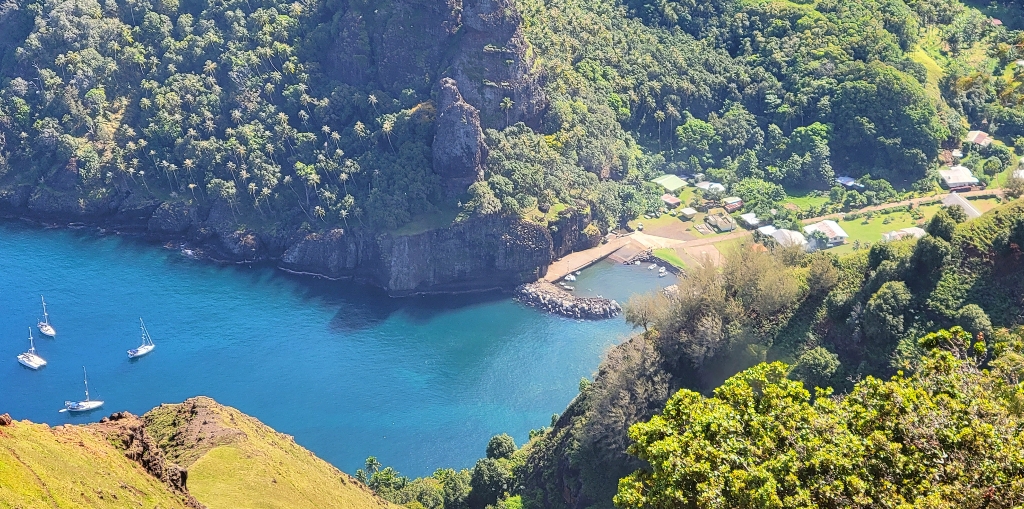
x=230 y=460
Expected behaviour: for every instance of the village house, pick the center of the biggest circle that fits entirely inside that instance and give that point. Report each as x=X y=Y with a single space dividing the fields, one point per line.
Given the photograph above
x=670 y=201
x=789 y=238
x=688 y=213
x=958 y=176
x=671 y=183
x=732 y=203
x=720 y=221
x=834 y=233
x=979 y=138
x=912 y=232
x=750 y=220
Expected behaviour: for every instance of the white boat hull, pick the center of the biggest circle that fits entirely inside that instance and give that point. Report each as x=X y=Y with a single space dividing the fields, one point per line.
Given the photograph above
x=31 y=360
x=140 y=351
x=47 y=329
x=81 y=406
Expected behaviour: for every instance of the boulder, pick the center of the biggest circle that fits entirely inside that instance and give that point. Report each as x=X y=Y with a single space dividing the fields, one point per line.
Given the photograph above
x=174 y=218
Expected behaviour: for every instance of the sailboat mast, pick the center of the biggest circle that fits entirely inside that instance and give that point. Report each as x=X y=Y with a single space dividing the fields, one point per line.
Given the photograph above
x=86 y=383
x=31 y=342
x=46 y=317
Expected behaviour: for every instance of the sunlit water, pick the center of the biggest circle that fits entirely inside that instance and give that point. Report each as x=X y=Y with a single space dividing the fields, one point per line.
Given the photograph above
x=420 y=383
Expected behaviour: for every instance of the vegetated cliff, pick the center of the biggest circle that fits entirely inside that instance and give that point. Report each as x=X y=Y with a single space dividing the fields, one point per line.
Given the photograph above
x=191 y=455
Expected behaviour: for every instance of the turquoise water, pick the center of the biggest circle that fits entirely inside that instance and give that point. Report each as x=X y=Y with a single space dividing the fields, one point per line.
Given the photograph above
x=420 y=383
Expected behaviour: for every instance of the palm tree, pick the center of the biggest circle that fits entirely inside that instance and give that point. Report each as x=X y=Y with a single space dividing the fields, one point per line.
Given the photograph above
x=372 y=99
x=386 y=128
x=344 y=180
x=506 y=104
x=319 y=212
x=344 y=217
x=189 y=164
x=192 y=187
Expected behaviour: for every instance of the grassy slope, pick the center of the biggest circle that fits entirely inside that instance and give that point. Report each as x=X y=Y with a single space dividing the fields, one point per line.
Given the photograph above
x=72 y=466
x=259 y=467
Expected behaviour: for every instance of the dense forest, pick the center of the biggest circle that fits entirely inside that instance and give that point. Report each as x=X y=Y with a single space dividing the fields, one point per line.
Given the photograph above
x=325 y=114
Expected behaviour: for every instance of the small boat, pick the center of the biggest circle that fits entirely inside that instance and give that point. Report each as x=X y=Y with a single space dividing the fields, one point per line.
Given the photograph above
x=636 y=262
x=577 y=272
x=84 y=405
x=662 y=270
x=662 y=274
x=44 y=326
x=146 y=346
x=652 y=266
x=570 y=277
x=570 y=288
x=31 y=359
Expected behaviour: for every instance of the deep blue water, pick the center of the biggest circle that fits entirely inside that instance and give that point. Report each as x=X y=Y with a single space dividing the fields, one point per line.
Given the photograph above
x=420 y=383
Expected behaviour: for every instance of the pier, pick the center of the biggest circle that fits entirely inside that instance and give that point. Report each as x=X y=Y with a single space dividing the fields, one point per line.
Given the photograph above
x=582 y=259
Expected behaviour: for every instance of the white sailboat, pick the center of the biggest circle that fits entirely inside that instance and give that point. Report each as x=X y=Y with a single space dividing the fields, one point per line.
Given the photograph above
x=44 y=326
x=31 y=359
x=84 y=405
x=146 y=346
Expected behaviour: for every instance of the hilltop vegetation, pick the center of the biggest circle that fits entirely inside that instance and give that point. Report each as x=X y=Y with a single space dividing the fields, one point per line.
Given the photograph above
x=323 y=114
x=232 y=460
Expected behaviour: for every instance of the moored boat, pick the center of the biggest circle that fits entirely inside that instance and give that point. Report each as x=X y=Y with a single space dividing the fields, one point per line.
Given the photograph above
x=86 y=404
x=31 y=359
x=44 y=326
x=146 y=346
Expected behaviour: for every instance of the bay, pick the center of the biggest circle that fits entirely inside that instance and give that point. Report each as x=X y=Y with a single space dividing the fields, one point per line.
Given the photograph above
x=420 y=382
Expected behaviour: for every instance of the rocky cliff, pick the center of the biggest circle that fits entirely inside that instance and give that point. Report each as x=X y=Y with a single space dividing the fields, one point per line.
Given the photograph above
x=480 y=253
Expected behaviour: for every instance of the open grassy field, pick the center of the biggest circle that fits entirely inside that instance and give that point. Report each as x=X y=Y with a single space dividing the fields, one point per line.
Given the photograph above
x=669 y=256
x=871 y=230
x=805 y=200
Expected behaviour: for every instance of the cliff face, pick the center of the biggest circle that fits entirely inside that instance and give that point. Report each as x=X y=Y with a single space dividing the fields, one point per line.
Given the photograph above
x=481 y=253
x=471 y=54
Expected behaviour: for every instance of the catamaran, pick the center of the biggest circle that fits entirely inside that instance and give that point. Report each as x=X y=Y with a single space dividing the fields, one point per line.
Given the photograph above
x=44 y=326
x=146 y=346
x=31 y=359
x=84 y=405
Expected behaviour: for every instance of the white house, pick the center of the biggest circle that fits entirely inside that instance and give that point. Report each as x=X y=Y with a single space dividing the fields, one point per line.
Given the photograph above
x=671 y=183
x=750 y=219
x=913 y=231
x=711 y=186
x=789 y=238
x=833 y=232
x=958 y=176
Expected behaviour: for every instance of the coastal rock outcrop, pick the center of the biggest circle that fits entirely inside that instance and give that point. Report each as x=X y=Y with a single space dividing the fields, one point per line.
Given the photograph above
x=172 y=218
x=459 y=148
x=477 y=254
x=551 y=298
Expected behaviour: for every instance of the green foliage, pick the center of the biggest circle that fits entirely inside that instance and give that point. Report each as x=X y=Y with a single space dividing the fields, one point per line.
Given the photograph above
x=501 y=447
x=941 y=438
x=815 y=367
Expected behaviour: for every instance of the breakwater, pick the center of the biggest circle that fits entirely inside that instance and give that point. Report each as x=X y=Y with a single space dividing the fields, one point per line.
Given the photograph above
x=549 y=297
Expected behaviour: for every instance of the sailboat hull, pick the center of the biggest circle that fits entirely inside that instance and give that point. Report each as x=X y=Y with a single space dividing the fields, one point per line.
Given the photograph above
x=82 y=406
x=47 y=329
x=31 y=360
x=140 y=351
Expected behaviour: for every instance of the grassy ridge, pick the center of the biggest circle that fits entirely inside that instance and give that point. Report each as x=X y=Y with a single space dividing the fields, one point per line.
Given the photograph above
x=249 y=464
x=73 y=466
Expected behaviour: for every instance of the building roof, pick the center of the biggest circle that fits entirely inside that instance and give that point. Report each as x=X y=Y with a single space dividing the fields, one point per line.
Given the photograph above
x=830 y=228
x=670 y=199
x=789 y=238
x=732 y=199
x=689 y=212
x=1018 y=174
x=957 y=176
x=767 y=230
x=957 y=153
x=671 y=183
x=750 y=218
x=912 y=231
x=979 y=137
x=955 y=199
x=711 y=186
x=996 y=22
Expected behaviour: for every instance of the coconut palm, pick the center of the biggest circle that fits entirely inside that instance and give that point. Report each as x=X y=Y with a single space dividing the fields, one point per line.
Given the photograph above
x=506 y=104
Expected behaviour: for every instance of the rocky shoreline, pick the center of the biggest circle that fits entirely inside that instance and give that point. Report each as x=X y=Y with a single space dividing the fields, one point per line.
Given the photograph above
x=549 y=297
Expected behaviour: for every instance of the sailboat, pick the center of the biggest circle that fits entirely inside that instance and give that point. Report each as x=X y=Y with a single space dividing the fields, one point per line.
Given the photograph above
x=84 y=405
x=31 y=359
x=44 y=326
x=146 y=346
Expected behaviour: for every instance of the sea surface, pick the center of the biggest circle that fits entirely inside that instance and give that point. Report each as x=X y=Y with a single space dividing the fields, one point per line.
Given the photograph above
x=419 y=382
